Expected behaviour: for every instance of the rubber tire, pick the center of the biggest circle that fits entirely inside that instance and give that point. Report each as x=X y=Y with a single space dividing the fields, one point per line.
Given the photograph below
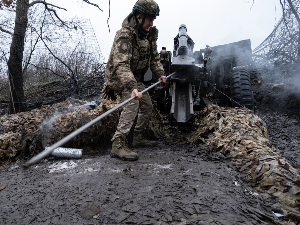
x=240 y=88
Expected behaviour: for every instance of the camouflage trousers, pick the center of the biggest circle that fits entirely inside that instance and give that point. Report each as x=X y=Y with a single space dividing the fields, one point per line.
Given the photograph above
x=142 y=108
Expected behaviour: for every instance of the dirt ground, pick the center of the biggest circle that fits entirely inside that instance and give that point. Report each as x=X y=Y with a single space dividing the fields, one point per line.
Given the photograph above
x=173 y=183
x=280 y=109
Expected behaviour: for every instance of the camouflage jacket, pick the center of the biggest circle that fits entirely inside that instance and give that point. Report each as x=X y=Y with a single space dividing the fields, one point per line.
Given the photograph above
x=130 y=57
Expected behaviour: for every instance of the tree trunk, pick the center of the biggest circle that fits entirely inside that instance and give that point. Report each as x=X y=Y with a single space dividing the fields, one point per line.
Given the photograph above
x=16 y=58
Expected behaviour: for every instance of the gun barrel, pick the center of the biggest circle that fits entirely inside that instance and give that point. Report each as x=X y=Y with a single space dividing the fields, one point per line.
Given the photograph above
x=182 y=41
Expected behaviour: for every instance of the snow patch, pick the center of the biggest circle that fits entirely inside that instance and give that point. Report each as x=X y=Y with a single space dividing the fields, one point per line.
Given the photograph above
x=62 y=166
x=252 y=193
x=187 y=171
x=13 y=167
x=156 y=167
x=114 y=170
x=236 y=183
x=90 y=170
x=278 y=214
x=164 y=166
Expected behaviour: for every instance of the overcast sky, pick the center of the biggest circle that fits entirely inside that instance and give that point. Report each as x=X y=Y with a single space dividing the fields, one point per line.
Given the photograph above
x=209 y=22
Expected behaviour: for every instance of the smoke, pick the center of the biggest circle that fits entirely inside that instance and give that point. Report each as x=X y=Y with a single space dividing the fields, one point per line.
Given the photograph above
x=48 y=122
x=280 y=89
x=286 y=74
x=46 y=125
x=295 y=83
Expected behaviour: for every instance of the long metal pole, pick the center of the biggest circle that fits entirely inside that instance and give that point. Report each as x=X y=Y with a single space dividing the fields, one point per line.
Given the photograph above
x=63 y=141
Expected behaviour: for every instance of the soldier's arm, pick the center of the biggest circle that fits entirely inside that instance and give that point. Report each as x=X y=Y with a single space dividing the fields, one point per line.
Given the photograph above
x=155 y=64
x=121 y=59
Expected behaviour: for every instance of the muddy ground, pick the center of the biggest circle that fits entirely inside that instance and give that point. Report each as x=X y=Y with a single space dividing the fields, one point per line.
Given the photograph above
x=279 y=107
x=173 y=183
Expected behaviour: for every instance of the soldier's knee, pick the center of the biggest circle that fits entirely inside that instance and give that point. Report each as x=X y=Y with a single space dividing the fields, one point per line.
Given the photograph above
x=147 y=109
x=149 y=106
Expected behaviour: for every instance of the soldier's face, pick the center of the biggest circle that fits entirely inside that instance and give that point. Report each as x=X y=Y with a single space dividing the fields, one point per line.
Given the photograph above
x=147 y=24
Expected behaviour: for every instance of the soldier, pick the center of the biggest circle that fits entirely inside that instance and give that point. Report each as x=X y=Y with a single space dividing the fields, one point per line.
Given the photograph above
x=133 y=51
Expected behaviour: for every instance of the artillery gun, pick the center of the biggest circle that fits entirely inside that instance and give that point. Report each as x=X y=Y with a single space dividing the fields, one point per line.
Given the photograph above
x=214 y=75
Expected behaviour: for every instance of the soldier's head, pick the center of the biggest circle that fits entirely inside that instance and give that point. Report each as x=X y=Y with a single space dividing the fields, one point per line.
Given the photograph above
x=145 y=11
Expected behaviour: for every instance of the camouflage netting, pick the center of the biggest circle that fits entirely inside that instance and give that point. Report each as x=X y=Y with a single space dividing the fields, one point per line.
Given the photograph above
x=30 y=132
x=10 y=144
x=54 y=129
x=20 y=131
x=241 y=136
x=238 y=134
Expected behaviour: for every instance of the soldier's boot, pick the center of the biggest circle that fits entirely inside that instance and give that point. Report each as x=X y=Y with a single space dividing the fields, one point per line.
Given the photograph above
x=140 y=140
x=121 y=150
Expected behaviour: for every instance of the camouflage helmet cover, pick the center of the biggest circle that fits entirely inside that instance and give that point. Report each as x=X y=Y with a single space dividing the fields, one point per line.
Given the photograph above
x=146 y=7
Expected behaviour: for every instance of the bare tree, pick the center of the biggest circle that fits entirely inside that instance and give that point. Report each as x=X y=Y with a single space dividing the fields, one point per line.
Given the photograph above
x=17 y=45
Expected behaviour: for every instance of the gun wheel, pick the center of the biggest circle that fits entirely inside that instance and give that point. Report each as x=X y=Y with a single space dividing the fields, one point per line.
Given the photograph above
x=240 y=88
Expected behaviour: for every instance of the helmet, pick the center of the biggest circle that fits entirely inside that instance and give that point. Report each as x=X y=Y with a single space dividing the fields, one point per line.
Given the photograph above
x=146 y=7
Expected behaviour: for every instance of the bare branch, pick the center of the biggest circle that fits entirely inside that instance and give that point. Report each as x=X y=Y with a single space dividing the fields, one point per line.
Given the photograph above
x=88 y=2
x=30 y=54
x=282 y=6
x=285 y=22
x=252 y=5
x=5 y=25
x=294 y=11
x=73 y=77
x=54 y=11
x=50 y=10
x=33 y=47
x=4 y=55
x=10 y=9
x=55 y=55
x=109 y=16
x=46 y=4
x=46 y=68
x=6 y=31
